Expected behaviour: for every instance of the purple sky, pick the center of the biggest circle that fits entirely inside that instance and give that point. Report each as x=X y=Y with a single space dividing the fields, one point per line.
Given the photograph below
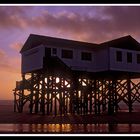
x=85 y=23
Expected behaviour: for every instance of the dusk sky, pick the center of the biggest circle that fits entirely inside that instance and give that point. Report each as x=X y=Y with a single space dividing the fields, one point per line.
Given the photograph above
x=84 y=23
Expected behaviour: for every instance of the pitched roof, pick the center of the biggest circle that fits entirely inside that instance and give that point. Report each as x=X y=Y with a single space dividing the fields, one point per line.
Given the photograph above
x=126 y=42
x=36 y=40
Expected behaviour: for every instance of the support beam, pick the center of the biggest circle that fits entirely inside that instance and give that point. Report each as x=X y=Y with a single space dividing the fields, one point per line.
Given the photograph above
x=15 y=104
x=21 y=98
x=129 y=94
x=43 y=95
x=111 y=97
x=37 y=94
x=95 y=96
x=32 y=92
x=69 y=95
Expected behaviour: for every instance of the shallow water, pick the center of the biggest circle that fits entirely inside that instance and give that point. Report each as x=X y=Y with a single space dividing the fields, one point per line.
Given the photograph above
x=70 y=128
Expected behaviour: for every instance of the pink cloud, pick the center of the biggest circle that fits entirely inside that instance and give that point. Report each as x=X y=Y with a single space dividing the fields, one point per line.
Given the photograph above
x=13 y=17
x=98 y=24
x=2 y=53
x=9 y=64
x=16 y=46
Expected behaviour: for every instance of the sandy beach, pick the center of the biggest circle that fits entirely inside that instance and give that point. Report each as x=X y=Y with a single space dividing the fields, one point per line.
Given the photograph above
x=19 y=123
x=7 y=115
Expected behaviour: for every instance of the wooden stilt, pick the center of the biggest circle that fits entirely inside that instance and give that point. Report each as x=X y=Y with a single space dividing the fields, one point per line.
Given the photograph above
x=69 y=95
x=129 y=94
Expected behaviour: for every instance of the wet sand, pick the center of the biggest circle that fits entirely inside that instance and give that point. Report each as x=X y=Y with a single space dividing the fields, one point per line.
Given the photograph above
x=25 y=123
x=8 y=116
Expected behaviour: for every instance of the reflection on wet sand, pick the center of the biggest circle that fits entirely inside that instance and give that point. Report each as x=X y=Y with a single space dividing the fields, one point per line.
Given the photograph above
x=70 y=128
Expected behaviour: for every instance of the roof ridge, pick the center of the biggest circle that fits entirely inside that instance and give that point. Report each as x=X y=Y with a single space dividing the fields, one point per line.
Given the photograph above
x=127 y=36
x=52 y=37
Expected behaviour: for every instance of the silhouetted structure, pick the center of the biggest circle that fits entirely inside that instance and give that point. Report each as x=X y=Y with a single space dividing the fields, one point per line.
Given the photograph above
x=62 y=76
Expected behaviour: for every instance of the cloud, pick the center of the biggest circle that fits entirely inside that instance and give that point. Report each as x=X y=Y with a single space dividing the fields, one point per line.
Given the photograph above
x=14 y=16
x=9 y=64
x=16 y=46
x=2 y=53
x=105 y=24
x=124 y=18
x=92 y=23
x=69 y=24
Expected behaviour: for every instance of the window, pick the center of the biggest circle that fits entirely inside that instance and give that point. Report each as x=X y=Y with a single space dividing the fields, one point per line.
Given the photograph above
x=86 y=56
x=54 y=51
x=67 y=54
x=138 y=58
x=47 y=52
x=119 y=56
x=129 y=57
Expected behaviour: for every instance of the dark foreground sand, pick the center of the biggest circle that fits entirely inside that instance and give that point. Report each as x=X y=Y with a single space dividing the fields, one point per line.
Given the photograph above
x=8 y=116
x=20 y=123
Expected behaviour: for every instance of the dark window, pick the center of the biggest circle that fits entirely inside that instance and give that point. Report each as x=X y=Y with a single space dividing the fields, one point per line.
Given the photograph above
x=86 y=56
x=119 y=56
x=138 y=58
x=67 y=54
x=54 y=51
x=47 y=52
x=129 y=57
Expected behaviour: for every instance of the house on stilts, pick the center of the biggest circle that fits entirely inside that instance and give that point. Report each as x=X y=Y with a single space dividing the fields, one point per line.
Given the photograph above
x=61 y=76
